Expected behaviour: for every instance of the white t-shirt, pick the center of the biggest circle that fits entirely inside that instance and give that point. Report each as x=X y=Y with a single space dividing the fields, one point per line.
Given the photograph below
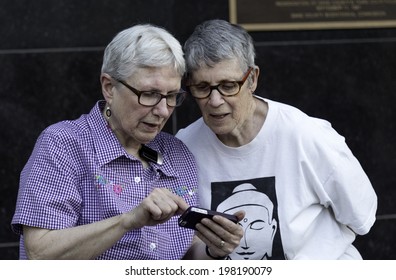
x=304 y=193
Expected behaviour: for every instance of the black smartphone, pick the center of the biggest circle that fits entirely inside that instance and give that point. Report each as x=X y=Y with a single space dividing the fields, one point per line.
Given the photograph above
x=194 y=215
x=151 y=155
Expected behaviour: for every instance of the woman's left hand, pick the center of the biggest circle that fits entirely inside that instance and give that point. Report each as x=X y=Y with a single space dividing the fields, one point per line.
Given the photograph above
x=221 y=235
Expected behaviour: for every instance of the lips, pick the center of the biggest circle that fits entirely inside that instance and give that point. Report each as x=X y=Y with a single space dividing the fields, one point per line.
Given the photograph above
x=152 y=126
x=218 y=116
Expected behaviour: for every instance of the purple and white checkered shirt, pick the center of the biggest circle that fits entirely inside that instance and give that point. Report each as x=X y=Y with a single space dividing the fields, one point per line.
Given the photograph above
x=79 y=173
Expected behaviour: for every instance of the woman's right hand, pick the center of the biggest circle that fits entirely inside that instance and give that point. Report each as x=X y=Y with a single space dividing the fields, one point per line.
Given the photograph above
x=158 y=207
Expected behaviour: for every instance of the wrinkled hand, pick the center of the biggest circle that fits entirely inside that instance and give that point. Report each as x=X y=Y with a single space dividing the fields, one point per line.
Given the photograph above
x=158 y=207
x=220 y=234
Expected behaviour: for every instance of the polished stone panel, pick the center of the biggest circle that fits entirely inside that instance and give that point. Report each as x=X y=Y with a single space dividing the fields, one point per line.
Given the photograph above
x=74 y=23
x=51 y=53
x=379 y=243
x=9 y=253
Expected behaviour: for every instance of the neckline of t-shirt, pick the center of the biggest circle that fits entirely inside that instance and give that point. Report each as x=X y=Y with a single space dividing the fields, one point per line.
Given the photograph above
x=264 y=136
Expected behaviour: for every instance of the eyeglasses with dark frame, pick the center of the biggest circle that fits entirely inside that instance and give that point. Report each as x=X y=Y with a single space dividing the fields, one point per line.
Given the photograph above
x=152 y=98
x=226 y=88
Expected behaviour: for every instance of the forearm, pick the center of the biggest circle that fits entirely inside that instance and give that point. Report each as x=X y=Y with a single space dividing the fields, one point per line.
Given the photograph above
x=81 y=242
x=197 y=251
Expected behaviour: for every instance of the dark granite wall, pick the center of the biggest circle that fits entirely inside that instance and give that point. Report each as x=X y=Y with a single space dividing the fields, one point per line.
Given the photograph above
x=51 y=52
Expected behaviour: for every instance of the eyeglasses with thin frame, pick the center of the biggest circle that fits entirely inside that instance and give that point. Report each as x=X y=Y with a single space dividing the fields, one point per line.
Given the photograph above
x=226 y=88
x=152 y=98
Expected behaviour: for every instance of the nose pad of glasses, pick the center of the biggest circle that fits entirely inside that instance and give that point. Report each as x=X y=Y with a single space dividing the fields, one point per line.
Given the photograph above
x=162 y=102
x=215 y=88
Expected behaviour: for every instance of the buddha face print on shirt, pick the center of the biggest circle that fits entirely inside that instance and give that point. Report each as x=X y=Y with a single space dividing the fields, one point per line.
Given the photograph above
x=257 y=197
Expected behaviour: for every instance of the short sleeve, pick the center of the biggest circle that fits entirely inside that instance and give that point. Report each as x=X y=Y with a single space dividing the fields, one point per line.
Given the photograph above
x=48 y=194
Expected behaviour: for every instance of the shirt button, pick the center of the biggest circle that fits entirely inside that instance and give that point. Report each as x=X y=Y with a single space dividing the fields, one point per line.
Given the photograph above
x=152 y=246
x=137 y=179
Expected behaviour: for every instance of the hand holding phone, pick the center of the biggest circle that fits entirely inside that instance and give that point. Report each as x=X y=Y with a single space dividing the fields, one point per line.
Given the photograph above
x=194 y=215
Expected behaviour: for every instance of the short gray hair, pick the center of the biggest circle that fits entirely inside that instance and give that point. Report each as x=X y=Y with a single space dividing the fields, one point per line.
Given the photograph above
x=141 y=46
x=216 y=40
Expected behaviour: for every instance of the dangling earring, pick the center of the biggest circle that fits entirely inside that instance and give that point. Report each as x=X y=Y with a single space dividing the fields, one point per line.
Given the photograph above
x=108 y=112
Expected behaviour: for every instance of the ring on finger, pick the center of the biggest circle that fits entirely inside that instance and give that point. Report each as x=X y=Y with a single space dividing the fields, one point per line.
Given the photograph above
x=221 y=245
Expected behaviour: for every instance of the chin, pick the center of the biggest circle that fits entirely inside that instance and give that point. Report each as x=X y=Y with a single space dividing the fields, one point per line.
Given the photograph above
x=220 y=130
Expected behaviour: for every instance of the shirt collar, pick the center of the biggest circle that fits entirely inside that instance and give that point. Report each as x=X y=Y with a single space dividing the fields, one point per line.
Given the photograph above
x=108 y=148
x=106 y=143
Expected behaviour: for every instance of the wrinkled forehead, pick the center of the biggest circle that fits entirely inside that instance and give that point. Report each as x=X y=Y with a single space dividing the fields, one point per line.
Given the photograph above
x=223 y=70
x=156 y=78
